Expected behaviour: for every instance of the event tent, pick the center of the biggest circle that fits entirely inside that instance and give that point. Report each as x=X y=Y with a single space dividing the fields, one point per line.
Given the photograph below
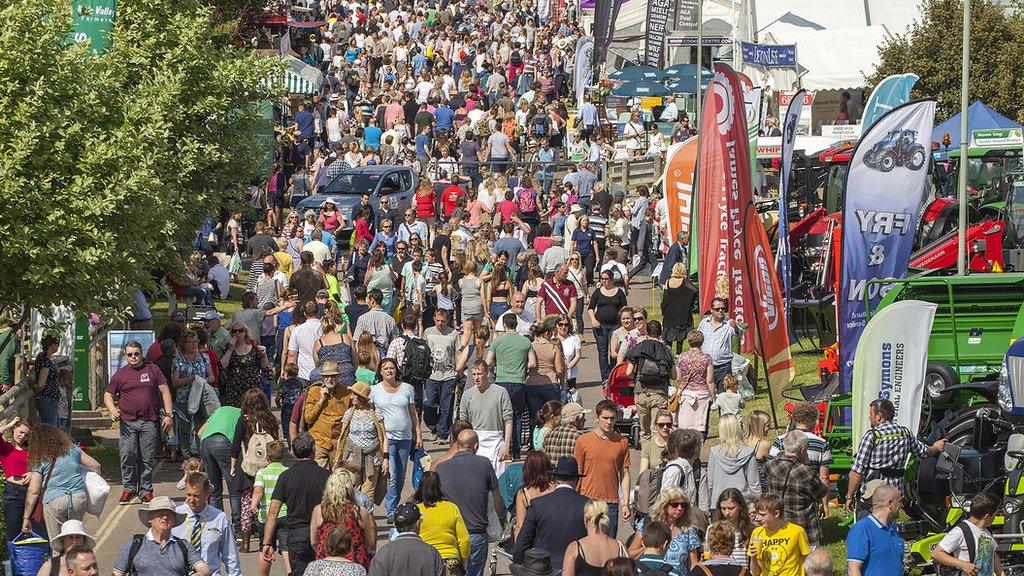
x=979 y=117
x=301 y=78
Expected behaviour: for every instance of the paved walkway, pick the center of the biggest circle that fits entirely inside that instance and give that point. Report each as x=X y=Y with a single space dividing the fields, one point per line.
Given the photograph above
x=119 y=523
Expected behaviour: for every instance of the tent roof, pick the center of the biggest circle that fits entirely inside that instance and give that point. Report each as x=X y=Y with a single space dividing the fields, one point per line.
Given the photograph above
x=979 y=117
x=834 y=59
x=896 y=16
x=301 y=78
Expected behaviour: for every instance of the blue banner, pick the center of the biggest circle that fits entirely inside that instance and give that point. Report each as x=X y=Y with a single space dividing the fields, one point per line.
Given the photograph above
x=891 y=92
x=769 y=55
x=789 y=122
x=885 y=188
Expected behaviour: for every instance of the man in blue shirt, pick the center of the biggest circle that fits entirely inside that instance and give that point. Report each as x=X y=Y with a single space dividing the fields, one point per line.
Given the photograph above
x=207 y=529
x=423 y=148
x=874 y=546
x=304 y=121
x=418 y=63
x=588 y=114
x=372 y=134
x=443 y=116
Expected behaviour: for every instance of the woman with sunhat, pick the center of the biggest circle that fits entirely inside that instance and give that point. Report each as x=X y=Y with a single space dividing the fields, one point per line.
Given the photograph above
x=363 y=441
x=72 y=533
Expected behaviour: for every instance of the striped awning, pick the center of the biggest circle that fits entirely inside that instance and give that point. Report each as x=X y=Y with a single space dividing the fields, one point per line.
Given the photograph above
x=295 y=83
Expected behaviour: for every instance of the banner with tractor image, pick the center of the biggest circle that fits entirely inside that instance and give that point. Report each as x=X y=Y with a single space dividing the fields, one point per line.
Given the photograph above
x=885 y=189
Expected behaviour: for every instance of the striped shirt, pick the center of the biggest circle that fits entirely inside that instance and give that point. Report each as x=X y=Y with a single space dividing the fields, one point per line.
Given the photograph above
x=598 y=224
x=818 y=452
x=267 y=479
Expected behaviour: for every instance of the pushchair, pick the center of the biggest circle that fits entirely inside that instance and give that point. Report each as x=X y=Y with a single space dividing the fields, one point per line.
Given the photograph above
x=619 y=389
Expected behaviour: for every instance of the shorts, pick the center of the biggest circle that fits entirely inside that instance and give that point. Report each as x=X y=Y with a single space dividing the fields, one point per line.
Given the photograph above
x=280 y=538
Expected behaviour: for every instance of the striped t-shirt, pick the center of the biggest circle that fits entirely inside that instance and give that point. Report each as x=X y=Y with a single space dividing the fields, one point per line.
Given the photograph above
x=267 y=479
x=818 y=452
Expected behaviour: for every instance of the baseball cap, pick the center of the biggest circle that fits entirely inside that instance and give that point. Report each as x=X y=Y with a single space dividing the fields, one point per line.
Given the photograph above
x=870 y=487
x=407 y=513
x=323 y=294
x=212 y=315
x=572 y=410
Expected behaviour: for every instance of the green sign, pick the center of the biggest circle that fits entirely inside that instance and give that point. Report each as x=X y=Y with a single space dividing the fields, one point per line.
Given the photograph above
x=80 y=389
x=997 y=137
x=92 y=20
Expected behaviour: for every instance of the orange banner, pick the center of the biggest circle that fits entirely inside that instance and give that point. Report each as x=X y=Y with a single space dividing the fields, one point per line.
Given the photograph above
x=680 y=165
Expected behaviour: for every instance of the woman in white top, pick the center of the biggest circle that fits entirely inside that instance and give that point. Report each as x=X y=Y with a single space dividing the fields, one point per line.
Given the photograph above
x=572 y=348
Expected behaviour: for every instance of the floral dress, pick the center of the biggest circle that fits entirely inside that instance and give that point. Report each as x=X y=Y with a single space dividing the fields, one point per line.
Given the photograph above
x=679 y=548
x=243 y=372
x=694 y=398
x=359 y=554
x=342 y=354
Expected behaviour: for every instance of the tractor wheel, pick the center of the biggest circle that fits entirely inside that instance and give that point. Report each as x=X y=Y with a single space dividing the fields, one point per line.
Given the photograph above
x=887 y=162
x=938 y=377
x=961 y=430
x=917 y=159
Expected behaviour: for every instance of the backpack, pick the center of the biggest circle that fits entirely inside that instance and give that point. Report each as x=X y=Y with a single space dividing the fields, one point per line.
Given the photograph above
x=515 y=58
x=418 y=360
x=255 y=457
x=539 y=126
x=663 y=570
x=651 y=373
x=942 y=569
x=649 y=486
x=527 y=201
x=137 y=541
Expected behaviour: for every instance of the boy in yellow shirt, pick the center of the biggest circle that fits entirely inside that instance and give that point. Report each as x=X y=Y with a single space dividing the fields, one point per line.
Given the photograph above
x=777 y=547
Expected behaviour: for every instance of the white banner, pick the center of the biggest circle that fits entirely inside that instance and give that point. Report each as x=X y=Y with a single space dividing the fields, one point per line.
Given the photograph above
x=890 y=363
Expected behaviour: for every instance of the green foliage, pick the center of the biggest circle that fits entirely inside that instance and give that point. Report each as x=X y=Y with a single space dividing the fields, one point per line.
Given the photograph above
x=109 y=163
x=932 y=50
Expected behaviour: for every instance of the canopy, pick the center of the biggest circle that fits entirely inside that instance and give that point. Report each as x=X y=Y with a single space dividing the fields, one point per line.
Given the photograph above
x=688 y=85
x=832 y=59
x=301 y=78
x=687 y=71
x=979 y=117
x=633 y=73
x=640 y=88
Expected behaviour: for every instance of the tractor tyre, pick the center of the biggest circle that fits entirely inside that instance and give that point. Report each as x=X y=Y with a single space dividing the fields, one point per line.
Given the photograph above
x=917 y=158
x=887 y=161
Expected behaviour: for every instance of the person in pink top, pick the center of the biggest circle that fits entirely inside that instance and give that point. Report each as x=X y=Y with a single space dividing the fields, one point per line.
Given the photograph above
x=14 y=459
x=330 y=216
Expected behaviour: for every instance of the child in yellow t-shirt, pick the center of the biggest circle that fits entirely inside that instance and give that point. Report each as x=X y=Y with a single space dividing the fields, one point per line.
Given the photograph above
x=777 y=547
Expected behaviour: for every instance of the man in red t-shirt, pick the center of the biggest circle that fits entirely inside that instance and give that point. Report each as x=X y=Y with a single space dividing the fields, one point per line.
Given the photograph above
x=557 y=295
x=450 y=197
x=141 y=391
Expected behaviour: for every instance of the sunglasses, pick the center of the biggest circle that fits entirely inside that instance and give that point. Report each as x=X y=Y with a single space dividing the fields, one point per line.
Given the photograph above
x=242 y=331
x=132 y=354
x=664 y=424
x=639 y=318
x=563 y=324
x=676 y=504
x=719 y=309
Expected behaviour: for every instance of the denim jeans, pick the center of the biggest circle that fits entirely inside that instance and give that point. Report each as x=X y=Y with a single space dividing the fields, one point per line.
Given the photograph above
x=398 y=461
x=603 y=336
x=205 y=296
x=536 y=396
x=437 y=401
x=216 y=455
x=516 y=393
x=477 y=554
x=613 y=517
x=137 y=444
x=14 y=511
x=47 y=408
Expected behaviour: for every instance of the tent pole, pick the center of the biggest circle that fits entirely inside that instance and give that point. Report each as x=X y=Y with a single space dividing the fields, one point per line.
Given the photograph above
x=700 y=41
x=965 y=73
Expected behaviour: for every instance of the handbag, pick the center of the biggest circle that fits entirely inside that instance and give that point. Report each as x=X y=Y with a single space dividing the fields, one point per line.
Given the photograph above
x=97 y=489
x=673 y=402
x=37 y=512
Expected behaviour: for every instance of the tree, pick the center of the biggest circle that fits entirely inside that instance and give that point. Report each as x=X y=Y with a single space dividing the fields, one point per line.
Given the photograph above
x=932 y=50
x=109 y=163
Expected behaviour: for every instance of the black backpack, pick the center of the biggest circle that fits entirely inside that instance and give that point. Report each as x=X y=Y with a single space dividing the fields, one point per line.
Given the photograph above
x=972 y=551
x=137 y=541
x=419 y=361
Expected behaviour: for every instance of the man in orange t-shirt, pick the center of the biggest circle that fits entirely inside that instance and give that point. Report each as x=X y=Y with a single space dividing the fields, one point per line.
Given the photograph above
x=603 y=456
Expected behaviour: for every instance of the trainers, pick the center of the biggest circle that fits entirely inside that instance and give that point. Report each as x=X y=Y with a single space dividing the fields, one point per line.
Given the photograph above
x=146 y=497
x=127 y=496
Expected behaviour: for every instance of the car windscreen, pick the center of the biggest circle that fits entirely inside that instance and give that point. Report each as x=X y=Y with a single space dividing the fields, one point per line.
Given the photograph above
x=354 y=184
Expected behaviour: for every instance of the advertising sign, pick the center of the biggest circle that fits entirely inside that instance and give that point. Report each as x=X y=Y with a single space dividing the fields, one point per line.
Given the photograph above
x=997 y=137
x=658 y=14
x=680 y=164
x=92 y=20
x=885 y=189
x=789 y=122
x=842 y=131
x=891 y=360
x=891 y=92
x=686 y=15
x=769 y=55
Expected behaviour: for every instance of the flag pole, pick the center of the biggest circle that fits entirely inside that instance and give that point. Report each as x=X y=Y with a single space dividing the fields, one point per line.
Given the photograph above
x=965 y=73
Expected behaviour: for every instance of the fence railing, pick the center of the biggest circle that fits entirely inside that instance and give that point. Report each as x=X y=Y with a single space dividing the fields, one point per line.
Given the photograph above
x=14 y=402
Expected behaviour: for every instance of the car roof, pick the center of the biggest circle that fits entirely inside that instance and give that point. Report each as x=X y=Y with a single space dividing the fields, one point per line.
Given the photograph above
x=375 y=169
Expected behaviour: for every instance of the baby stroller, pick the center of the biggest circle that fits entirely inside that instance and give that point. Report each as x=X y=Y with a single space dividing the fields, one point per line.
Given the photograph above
x=619 y=389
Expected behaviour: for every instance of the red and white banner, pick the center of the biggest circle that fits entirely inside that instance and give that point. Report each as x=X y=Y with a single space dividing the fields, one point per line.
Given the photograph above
x=735 y=259
x=680 y=166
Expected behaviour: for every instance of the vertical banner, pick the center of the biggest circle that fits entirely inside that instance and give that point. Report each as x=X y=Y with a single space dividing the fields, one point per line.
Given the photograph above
x=885 y=189
x=891 y=92
x=789 y=122
x=605 y=14
x=752 y=104
x=680 y=165
x=91 y=21
x=658 y=14
x=736 y=260
x=583 y=71
x=891 y=359
x=686 y=15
